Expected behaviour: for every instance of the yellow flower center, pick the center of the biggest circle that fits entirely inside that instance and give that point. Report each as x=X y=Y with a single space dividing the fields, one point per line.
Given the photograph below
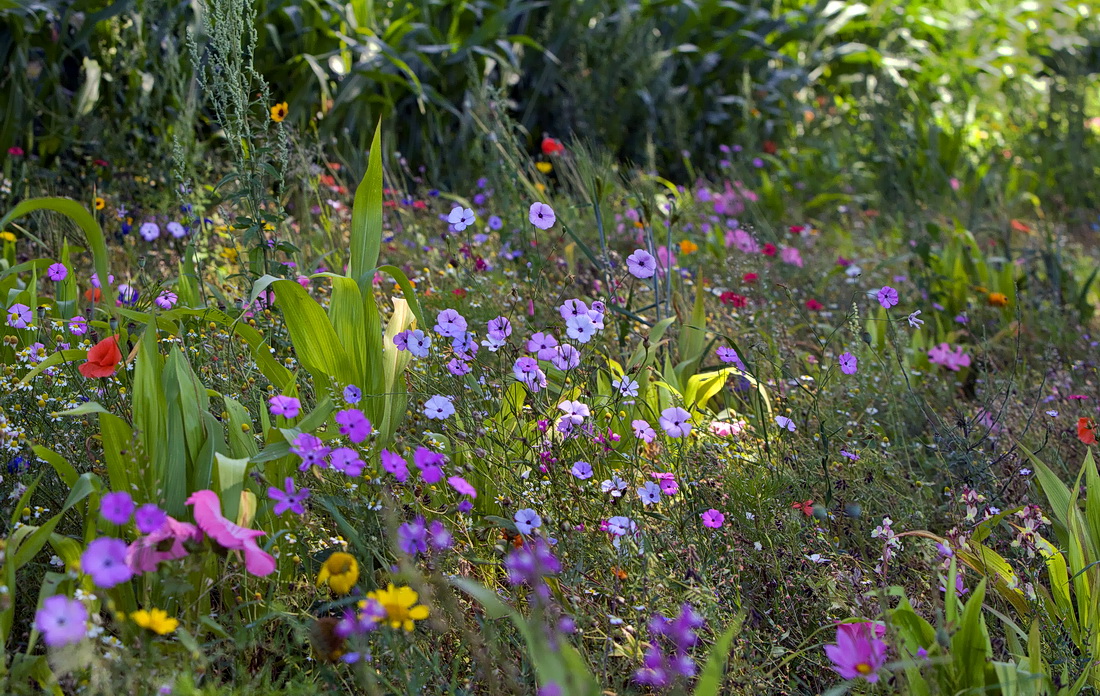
x=864 y=668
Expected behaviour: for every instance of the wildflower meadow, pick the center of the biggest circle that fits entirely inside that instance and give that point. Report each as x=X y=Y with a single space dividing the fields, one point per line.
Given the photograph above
x=555 y=348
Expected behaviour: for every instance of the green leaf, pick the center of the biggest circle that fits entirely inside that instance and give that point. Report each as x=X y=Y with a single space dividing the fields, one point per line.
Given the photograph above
x=315 y=341
x=231 y=475
x=710 y=680
x=366 y=217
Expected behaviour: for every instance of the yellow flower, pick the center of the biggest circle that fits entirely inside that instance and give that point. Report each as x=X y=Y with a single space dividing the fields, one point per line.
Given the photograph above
x=100 y=204
x=7 y=236
x=156 y=620
x=997 y=299
x=279 y=112
x=540 y=187
x=341 y=571
x=544 y=167
x=398 y=603
x=688 y=247
x=229 y=253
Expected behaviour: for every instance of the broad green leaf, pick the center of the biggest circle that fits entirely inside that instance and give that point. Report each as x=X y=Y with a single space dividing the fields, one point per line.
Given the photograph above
x=366 y=218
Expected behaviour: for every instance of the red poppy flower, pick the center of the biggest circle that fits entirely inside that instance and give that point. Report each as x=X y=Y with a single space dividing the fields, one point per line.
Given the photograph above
x=806 y=506
x=732 y=298
x=749 y=278
x=459 y=292
x=1086 y=431
x=814 y=305
x=93 y=294
x=551 y=146
x=769 y=249
x=770 y=147
x=103 y=358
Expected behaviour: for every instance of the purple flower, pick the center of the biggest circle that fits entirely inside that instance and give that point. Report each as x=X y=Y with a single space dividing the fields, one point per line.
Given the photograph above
x=713 y=518
x=285 y=406
x=887 y=296
x=541 y=216
x=149 y=231
x=848 y=363
x=543 y=345
x=650 y=493
x=500 y=328
x=61 y=621
x=654 y=670
x=439 y=537
x=530 y=562
x=643 y=430
x=784 y=422
x=439 y=408
x=311 y=449
x=581 y=470
x=641 y=264
x=117 y=507
x=288 y=498
x=412 y=537
x=396 y=465
x=527 y=371
x=352 y=394
x=729 y=355
x=462 y=486
x=458 y=368
x=78 y=326
x=346 y=460
x=353 y=424
x=19 y=316
x=167 y=299
x=675 y=421
x=149 y=518
x=57 y=272
x=527 y=520
x=105 y=561
x=450 y=324
x=461 y=218
x=429 y=463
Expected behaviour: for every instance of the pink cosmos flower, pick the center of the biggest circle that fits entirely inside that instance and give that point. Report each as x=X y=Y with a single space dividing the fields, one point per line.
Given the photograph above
x=952 y=360
x=165 y=543
x=208 y=515
x=858 y=652
x=713 y=518
x=792 y=256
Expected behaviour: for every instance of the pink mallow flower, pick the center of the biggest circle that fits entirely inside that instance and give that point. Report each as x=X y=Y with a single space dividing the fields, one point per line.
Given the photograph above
x=208 y=515
x=858 y=652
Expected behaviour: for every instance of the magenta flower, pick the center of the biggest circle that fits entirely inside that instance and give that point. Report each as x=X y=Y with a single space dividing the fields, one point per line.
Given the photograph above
x=288 y=498
x=887 y=296
x=713 y=518
x=57 y=272
x=396 y=465
x=848 y=363
x=208 y=515
x=105 y=562
x=952 y=360
x=347 y=461
x=353 y=424
x=412 y=537
x=541 y=216
x=116 y=507
x=285 y=406
x=462 y=486
x=165 y=543
x=429 y=463
x=78 y=326
x=19 y=316
x=641 y=264
x=858 y=652
x=61 y=621
x=675 y=421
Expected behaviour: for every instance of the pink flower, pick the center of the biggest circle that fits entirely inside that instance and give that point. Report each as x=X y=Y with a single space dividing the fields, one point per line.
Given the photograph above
x=791 y=255
x=943 y=355
x=858 y=652
x=146 y=552
x=462 y=486
x=713 y=518
x=208 y=515
x=848 y=363
x=887 y=296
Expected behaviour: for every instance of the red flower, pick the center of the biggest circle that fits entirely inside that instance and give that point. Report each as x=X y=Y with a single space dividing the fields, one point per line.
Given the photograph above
x=419 y=205
x=551 y=146
x=93 y=294
x=769 y=249
x=16 y=151
x=732 y=298
x=749 y=278
x=103 y=358
x=1086 y=431
x=813 y=305
x=101 y=163
x=770 y=147
x=459 y=292
x=806 y=506
x=797 y=229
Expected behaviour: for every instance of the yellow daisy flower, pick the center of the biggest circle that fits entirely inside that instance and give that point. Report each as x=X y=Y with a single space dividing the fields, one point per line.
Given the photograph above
x=544 y=167
x=100 y=204
x=340 y=571
x=7 y=236
x=156 y=620
x=279 y=112
x=399 y=605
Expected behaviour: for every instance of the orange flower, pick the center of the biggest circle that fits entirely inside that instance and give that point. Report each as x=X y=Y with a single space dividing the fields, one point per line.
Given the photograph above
x=93 y=294
x=103 y=358
x=279 y=112
x=1086 y=431
x=807 y=507
x=688 y=247
x=997 y=299
x=1019 y=226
